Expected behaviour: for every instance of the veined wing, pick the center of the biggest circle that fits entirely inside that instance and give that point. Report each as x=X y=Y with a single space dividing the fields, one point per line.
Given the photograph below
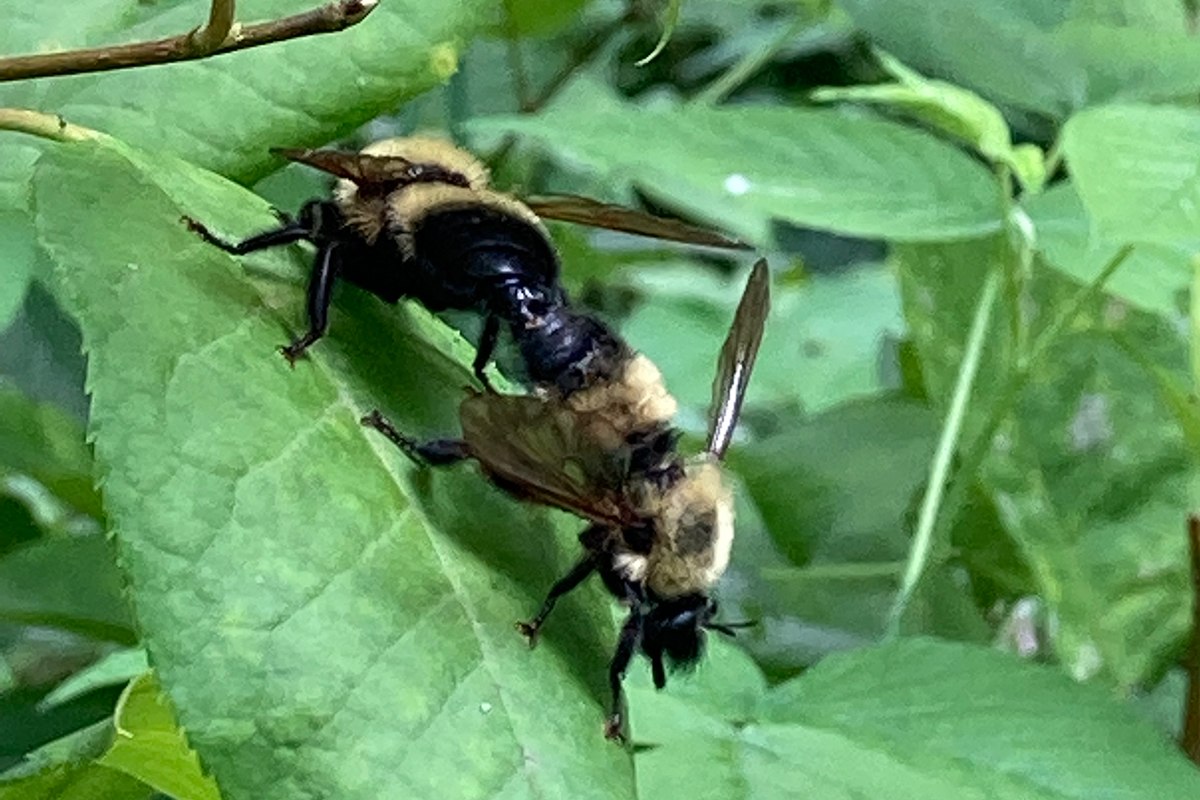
x=538 y=451
x=585 y=211
x=366 y=170
x=737 y=358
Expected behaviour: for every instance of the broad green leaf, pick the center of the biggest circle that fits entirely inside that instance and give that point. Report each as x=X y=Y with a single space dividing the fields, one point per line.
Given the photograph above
x=68 y=582
x=1154 y=278
x=358 y=613
x=1135 y=169
x=849 y=173
x=822 y=344
x=964 y=41
x=537 y=17
x=42 y=442
x=17 y=254
x=65 y=770
x=40 y=354
x=223 y=112
x=120 y=666
x=1131 y=63
x=952 y=109
x=914 y=718
x=1088 y=472
x=16 y=263
x=834 y=493
x=1057 y=57
x=835 y=489
x=150 y=747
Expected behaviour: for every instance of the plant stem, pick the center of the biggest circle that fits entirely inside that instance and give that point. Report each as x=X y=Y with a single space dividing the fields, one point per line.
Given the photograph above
x=751 y=63
x=199 y=43
x=946 y=503
x=918 y=555
x=47 y=126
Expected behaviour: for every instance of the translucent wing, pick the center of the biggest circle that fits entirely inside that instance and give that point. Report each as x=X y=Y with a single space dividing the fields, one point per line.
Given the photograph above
x=365 y=170
x=582 y=210
x=540 y=451
x=737 y=358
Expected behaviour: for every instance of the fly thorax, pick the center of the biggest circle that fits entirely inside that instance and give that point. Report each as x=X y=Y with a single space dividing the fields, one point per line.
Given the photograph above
x=695 y=533
x=634 y=399
x=366 y=214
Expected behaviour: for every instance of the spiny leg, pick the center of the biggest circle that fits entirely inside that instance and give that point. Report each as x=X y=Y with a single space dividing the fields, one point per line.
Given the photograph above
x=436 y=453
x=576 y=576
x=631 y=634
x=290 y=231
x=487 y=346
x=320 y=296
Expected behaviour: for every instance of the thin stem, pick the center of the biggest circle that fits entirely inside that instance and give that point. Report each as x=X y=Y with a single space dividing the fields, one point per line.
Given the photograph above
x=221 y=15
x=973 y=460
x=1194 y=325
x=1190 y=741
x=751 y=63
x=189 y=46
x=922 y=545
x=47 y=126
x=578 y=57
x=1067 y=316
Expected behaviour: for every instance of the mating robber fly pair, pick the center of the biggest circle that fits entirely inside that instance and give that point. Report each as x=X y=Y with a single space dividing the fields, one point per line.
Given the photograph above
x=417 y=218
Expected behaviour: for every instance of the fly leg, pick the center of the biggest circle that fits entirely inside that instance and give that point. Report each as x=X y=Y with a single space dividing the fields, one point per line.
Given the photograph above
x=436 y=453
x=320 y=297
x=565 y=584
x=317 y=222
x=631 y=634
x=487 y=346
x=306 y=227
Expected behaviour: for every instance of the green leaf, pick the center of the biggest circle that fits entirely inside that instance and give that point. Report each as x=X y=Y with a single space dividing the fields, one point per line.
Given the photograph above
x=69 y=582
x=150 y=747
x=742 y=166
x=1088 y=471
x=834 y=493
x=1154 y=278
x=538 y=17
x=357 y=614
x=965 y=40
x=17 y=247
x=1135 y=168
x=914 y=718
x=40 y=354
x=64 y=770
x=120 y=666
x=223 y=112
x=954 y=110
x=42 y=442
x=16 y=268
x=1057 y=57
x=856 y=468
x=822 y=344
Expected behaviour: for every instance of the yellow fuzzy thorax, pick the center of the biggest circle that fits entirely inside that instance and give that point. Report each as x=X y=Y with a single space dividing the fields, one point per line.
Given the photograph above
x=636 y=400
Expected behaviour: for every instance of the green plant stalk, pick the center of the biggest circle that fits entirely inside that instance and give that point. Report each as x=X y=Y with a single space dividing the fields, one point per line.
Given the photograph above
x=1194 y=326
x=918 y=554
x=751 y=63
x=975 y=455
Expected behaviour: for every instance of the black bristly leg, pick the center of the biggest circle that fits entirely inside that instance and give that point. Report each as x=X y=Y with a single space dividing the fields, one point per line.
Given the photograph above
x=631 y=632
x=576 y=576
x=290 y=231
x=320 y=295
x=436 y=453
x=487 y=346
x=657 y=670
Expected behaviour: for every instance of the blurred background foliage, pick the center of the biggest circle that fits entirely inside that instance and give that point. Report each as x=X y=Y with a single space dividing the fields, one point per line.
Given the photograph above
x=911 y=168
